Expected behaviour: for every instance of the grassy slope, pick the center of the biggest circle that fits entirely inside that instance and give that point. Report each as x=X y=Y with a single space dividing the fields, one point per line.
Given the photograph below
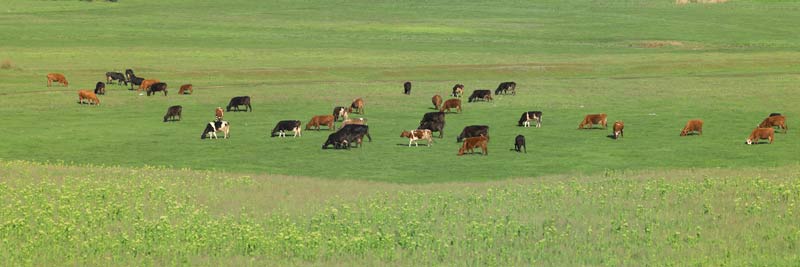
x=298 y=59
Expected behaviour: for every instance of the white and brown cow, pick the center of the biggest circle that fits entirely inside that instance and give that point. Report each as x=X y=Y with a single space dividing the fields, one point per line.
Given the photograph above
x=414 y=135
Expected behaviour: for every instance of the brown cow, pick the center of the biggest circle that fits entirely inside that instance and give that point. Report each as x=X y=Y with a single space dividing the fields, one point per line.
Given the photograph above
x=761 y=133
x=473 y=142
x=87 y=95
x=358 y=105
x=318 y=120
x=437 y=101
x=693 y=126
x=778 y=120
x=458 y=90
x=219 y=113
x=186 y=89
x=593 y=119
x=56 y=77
x=451 y=103
x=147 y=83
x=415 y=135
x=618 y=129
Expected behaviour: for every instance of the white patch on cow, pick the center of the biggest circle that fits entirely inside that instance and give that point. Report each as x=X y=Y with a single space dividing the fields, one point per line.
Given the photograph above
x=297 y=131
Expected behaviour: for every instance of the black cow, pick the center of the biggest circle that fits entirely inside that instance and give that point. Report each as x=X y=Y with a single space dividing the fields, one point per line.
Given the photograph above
x=239 y=101
x=433 y=116
x=119 y=77
x=535 y=116
x=173 y=112
x=407 y=88
x=289 y=125
x=347 y=135
x=519 y=143
x=433 y=121
x=129 y=74
x=100 y=88
x=481 y=94
x=135 y=81
x=473 y=131
x=157 y=87
x=504 y=87
x=774 y=114
x=339 y=112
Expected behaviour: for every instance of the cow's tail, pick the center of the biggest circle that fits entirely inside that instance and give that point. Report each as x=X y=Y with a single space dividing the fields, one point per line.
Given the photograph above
x=369 y=137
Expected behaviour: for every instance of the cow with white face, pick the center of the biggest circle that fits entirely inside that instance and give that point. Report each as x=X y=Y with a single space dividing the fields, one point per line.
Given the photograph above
x=216 y=126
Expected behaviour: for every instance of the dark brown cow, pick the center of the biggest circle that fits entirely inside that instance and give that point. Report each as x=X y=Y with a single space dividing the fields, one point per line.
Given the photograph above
x=593 y=119
x=358 y=105
x=100 y=88
x=480 y=94
x=173 y=113
x=618 y=129
x=437 y=101
x=186 y=89
x=693 y=126
x=88 y=96
x=761 y=133
x=407 y=88
x=156 y=87
x=458 y=90
x=473 y=142
x=451 y=103
x=318 y=120
x=56 y=77
x=777 y=120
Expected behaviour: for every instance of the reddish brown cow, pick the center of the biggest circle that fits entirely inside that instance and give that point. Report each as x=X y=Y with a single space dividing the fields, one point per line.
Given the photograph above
x=219 y=113
x=451 y=103
x=318 y=120
x=593 y=119
x=693 y=126
x=618 y=129
x=89 y=96
x=56 y=77
x=147 y=83
x=186 y=89
x=473 y=142
x=437 y=101
x=358 y=105
x=778 y=120
x=761 y=133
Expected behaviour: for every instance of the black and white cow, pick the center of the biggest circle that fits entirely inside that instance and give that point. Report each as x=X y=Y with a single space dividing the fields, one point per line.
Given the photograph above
x=216 y=126
x=433 y=121
x=407 y=88
x=519 y=143
x=504 y=87
x=473 y=131
x=239 y=101
x=345 y=137
x=116 y=76
x=288 y=125
x=527 y=117
x=340 y=112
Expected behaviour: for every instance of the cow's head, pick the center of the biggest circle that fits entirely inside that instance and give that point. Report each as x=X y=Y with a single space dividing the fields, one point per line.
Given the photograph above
x=684 y=131
x=749 y=141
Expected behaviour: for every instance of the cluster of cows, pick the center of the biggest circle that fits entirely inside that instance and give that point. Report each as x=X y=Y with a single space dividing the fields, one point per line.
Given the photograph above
x=352 y=131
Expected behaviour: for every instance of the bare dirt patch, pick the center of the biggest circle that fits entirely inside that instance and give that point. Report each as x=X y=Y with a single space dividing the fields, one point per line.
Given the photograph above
x=659 y=44
x=683 y=2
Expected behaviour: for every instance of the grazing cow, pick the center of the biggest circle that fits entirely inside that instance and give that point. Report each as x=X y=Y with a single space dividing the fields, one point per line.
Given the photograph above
x=415 y=135
x=156 y=87
x=219 y=113
x=761 y=133
x=147 y=83
x=89 y=96
x=359 y=121
x=504 y=87
x=433 y=121
x=593 y=119
x=129 y=74
x=519 y=143
x=618 y=129
x=693 y=126
x=283 y=126
x=473 y=131
x=778 y=120
x=340 y=112
x=345 y=137
x=774 y=114
x=239 y=101
x=473 y=142
x=135 y=81
x=451 y=103
x=56 y=77
x=407 y=88
x=458 y=90
x=437 y=101
x=316 y=121
x=485 y=95
x=216 y=126
x=358 y=105
x=527 y=117
x=116 y=76
x=173 y=112
x=100 y=88
x=186 y=89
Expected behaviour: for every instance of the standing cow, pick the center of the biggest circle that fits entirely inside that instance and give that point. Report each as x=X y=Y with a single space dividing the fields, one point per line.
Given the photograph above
x=219 y=113
x=340 y=112
x=692 y=126
x=593 y=119
x=519 y=143
x=481 y=94
x=433 y=121
x=319 y=120
x=473 y=142
x=116 y=76
x=453 y=103
x=288 y=125
x=156 y=87
x=761 y=133
x=173 y=113
x=437 y=101
x=239 y=101
x=618 y=129
x=772 y=121
x=473 y=131
x=458 y=90
x=357 y=105
x=186 y=89
x=505 y=87
x=527 y=117
x=407 y=88
x=56 y=77
x=100 y=88
x=88 y=96
x=216 y=126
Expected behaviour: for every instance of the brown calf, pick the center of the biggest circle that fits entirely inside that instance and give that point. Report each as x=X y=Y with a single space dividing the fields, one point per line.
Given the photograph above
x=451 y=103
x=618 y=129
x=318 y=120
x=593 y=119
x=89 y=96
x=761 y=133
x=778 y=120
x=186 y=89
x=415 y=135
x=56 y=77
x=693 y=126
x=473 y=142
x=358 y=105
x=437 y=101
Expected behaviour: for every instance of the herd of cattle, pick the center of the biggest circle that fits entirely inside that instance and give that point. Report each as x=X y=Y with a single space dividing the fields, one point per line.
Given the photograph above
x=352 y=131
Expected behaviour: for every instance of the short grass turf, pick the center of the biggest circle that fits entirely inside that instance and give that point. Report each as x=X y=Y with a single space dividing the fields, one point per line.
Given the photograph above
x=651 y=64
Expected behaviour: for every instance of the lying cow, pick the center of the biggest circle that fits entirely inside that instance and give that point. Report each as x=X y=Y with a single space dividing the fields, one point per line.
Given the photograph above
x=407 y=88
x=593 y=119
x=316 y=121
x=485 y=95
x=458 y=90
x=527 y=117
x=519 y=143
x=359 y=121
x=116 y=76
x=618 y=129
x=100 y=88
x=283 y=126
x=89 y=96
x=450 y=104
x=186 y=89
x=345 y=137
x=216 y=126
x=504 y=87
x=157 y=87
x=473 y=142
x=437 y=101
x=761 y=133
x=473 y=131
x=56 y=77
x=239 y=101
x=693 y=126
x=777 y=120
x=173 y=112
x=357 y=105
x=340 y=112
x=433 y=121
x=415 y=135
